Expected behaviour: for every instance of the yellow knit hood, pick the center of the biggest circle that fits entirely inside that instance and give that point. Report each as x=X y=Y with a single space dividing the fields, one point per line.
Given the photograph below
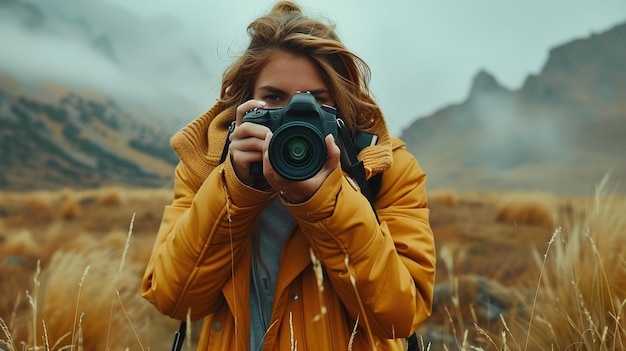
x=199 y=145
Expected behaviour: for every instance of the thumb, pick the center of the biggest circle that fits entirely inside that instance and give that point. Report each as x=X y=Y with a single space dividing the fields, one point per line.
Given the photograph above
x=333 y=152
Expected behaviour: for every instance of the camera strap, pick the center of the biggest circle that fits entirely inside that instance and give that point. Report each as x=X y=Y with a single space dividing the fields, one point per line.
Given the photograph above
x=231 y=127
x=351 y=164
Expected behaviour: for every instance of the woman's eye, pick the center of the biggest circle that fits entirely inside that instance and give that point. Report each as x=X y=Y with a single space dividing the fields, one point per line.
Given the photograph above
x=272 y=98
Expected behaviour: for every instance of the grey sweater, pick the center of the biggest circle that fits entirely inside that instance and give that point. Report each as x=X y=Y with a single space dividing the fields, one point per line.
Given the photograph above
x=274 y=226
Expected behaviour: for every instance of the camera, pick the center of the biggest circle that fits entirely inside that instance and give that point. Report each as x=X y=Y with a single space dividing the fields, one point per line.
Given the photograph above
x=297 y=150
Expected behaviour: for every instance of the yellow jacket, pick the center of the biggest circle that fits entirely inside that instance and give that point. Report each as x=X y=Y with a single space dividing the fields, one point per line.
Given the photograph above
x=377 y=278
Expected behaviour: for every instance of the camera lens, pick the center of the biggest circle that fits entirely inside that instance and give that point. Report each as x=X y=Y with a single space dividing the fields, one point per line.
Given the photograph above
x=297 y=150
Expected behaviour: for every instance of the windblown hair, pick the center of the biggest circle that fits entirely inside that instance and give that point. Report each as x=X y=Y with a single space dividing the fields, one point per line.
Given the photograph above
x=287 y=29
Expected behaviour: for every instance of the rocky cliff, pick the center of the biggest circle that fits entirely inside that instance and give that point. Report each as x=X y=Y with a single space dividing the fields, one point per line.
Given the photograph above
x=562 y=131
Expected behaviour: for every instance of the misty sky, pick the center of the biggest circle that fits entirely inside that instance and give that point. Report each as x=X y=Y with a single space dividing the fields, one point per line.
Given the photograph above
x=423 y=54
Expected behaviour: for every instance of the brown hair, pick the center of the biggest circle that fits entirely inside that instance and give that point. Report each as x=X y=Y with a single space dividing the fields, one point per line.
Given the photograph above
x=287 y=29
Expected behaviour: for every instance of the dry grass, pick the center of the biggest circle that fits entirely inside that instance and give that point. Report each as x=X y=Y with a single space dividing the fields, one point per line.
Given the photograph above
x=581 y=297
x=106 y=299
x=527 y=209
x=70 y=209
x=575 y=300
x=82 y=299
x=111 y=197
x=506 y=281
x=445 y=197
x=61 y=275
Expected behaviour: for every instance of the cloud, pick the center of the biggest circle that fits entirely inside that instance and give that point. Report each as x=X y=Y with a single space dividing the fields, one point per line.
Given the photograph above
x=33 y=56
x=144 y=63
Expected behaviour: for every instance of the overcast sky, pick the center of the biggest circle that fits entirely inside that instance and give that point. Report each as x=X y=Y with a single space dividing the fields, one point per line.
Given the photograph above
x=423 y=54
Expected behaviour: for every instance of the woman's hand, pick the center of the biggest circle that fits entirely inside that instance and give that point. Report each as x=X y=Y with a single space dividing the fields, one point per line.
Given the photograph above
x=246 y=143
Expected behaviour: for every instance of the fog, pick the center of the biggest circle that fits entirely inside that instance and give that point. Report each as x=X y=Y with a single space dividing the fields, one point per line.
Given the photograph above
x=105 y=49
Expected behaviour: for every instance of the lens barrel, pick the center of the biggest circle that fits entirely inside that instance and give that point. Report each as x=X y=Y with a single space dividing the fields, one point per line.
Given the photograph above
x=297 y=150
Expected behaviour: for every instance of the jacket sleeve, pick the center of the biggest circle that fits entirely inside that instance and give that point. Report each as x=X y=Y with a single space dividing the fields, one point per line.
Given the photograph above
x=203 y=233
x=384 y=273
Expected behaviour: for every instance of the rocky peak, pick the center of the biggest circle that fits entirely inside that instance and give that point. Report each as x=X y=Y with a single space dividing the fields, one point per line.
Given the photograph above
x=485 y=82
x=569 y=114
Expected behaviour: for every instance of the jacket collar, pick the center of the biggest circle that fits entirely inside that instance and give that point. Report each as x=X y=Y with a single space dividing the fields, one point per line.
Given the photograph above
x=199 y=145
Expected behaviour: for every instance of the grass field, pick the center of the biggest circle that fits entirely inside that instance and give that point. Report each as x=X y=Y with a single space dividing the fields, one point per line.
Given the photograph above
x=515 y=271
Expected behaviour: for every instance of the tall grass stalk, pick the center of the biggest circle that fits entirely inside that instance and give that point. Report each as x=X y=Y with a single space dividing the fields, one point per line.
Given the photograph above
x=117 y=288
x=541 y=271
x=130 y=323
x=346 y=262
x=60 y=340
x=80 y=332
x=80 y=287
x=319 y=277
x=32 y=300
x=294 y=342
x=188 y=331
x=353 y=334
x=46 y=343
x=9 y=341
x=16 y=305
x=446 y=256
x=508 y=330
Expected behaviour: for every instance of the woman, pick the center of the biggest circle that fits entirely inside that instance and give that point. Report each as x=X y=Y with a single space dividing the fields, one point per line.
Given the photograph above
x=276 y=264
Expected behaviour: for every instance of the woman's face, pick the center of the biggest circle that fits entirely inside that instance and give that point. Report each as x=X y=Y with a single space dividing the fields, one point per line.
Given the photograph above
x=286 y=74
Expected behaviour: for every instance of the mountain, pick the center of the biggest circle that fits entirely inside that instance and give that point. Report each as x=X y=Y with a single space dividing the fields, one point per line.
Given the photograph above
x=72 y=140
x=562 y=131
x=90 y=94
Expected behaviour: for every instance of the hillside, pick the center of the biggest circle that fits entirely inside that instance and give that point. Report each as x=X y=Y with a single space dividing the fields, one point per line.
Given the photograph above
x=80 y=105
x=62 y=139
x=560 y=132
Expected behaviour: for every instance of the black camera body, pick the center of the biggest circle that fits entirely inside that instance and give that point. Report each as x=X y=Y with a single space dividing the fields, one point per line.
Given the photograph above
x=297 y=150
